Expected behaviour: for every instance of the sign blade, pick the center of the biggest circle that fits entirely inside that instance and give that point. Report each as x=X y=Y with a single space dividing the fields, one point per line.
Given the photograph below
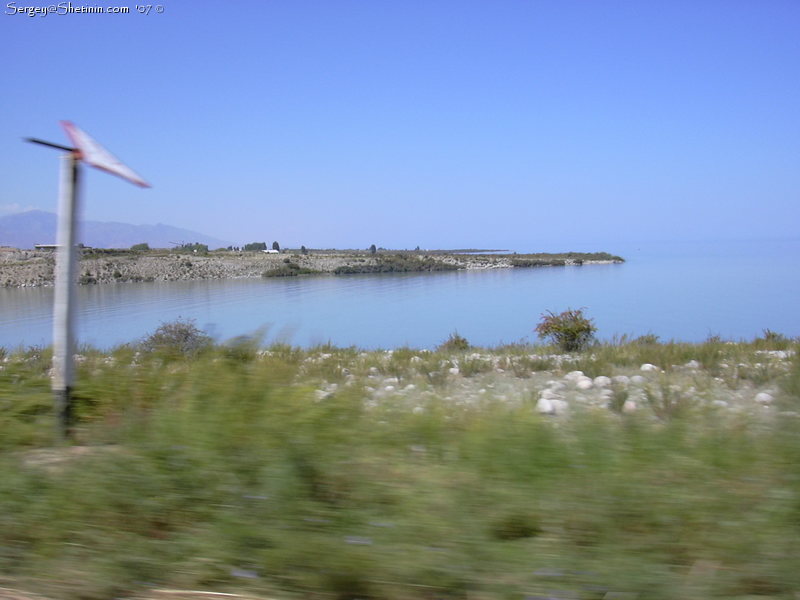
x=94 y=154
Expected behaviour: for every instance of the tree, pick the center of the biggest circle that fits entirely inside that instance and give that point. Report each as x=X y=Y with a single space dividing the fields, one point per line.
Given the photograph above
x=372 y=249
x=143 y=247
x=255 y=246
x=303 y=250
x=276 y=246
x=570 y=330
x=177 y=338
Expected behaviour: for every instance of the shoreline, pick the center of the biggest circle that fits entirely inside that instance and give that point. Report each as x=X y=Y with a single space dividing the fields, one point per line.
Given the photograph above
x=35 y=268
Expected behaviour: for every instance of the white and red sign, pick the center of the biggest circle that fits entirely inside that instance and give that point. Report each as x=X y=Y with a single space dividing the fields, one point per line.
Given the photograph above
x=94 y=154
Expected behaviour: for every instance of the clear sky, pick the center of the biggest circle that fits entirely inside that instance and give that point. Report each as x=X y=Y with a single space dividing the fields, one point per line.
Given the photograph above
x=439 y=123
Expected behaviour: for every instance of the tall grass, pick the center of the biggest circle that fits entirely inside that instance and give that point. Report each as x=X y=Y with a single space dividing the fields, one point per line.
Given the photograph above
x=226 y=471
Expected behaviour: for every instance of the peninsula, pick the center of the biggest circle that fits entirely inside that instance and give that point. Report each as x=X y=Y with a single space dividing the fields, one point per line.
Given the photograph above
x=34 y=268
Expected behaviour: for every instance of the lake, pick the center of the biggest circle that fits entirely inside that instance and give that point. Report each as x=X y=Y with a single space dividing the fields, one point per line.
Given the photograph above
x=683 y=291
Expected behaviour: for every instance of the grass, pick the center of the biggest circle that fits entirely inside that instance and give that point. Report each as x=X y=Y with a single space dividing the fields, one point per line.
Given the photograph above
x=227 y=471
x=562 y=259
x=396 y=263
x=289 y=269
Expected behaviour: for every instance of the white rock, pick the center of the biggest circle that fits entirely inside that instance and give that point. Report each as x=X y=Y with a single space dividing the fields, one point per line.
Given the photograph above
x=389 y=388
x=573 y=375
x=548 y=394
x=629 y=406
x=414 y=360
x=545 y=407
x=410 y=387
x=584 y=383
x=418 y=410
x=556 y=386
x=453 y=371
x=559 y=406
x=647 y=368
x=764 y=398
x=638 y=379
x=601 y=381
x=693 y=364
x=720 y=403
x=621 y=379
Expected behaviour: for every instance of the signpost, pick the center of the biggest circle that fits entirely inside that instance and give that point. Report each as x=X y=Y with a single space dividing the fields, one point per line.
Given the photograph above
x=87 y=150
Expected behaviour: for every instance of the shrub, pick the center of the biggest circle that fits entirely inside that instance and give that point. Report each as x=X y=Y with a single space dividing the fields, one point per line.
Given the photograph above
x=143 y=247
x=195 y=248
x=648 y=339
x=289 y=269
x=570 y=330
x=454 y=343
x=398 y=263
x=255 y=246
x=179 y=337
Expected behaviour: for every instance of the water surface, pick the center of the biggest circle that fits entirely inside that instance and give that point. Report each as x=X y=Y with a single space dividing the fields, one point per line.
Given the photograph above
x=676 y=291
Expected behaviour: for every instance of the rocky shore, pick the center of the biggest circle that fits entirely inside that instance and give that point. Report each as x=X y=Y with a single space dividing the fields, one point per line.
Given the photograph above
x=34 y=268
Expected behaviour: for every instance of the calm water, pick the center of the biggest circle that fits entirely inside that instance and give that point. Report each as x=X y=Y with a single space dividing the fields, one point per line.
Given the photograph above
x=684 y=291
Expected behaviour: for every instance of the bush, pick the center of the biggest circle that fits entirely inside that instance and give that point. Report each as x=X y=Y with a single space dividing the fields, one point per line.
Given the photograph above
x=193 y=248
x=179 y=337
x=143 y=247
x=289 y=269
x=455 y=343
x=570 y=330
x=255 y=246
x=398 y=263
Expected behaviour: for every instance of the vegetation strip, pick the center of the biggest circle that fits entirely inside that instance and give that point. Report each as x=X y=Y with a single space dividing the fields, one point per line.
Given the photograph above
x=634 y=469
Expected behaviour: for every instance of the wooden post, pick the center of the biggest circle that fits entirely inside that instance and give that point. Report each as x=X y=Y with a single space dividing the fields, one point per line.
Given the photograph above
x=64 y=299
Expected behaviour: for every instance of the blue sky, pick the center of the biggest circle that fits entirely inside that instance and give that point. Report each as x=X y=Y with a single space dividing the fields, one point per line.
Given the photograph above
x=507 y=124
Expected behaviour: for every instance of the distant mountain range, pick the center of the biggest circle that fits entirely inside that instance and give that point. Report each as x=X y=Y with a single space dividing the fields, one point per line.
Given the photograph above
x=24 y=230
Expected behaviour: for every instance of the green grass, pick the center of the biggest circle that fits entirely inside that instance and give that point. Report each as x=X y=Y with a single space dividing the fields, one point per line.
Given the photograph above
x=396 y=263
x=226 y=471
x=289 y=269
x=561 y=259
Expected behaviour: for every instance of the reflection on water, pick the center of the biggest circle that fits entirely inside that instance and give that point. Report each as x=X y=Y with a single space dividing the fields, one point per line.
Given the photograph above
x=685 y=293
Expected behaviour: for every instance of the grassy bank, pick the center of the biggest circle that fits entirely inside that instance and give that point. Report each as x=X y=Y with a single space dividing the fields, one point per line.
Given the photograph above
x=335 y=473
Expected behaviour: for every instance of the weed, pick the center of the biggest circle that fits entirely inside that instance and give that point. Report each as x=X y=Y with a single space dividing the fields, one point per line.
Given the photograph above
x=570 y=330
x=289 y=269
x=454 y=343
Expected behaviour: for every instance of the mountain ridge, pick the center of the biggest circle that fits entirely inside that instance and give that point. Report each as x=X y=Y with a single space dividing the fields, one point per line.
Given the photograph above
x=25 y=230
